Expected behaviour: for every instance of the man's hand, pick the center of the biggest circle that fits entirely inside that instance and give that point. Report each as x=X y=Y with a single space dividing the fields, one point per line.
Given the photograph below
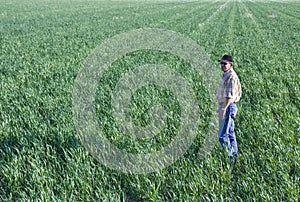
x=221 y=113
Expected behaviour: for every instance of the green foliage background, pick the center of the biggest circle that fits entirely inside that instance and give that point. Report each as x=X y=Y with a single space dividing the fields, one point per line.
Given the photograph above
x=42 y=47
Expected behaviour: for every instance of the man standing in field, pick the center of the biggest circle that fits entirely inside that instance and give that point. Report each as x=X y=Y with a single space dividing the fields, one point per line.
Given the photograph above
x=229 y=92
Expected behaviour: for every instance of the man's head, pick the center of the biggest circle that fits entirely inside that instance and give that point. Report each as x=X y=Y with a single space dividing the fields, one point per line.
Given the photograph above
x=226 y=62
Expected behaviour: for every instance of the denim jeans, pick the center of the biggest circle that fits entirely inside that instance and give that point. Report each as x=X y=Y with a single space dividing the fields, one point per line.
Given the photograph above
x=226 y=130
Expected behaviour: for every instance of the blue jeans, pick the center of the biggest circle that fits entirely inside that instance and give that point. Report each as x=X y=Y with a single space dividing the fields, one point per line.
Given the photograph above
x=226 y=130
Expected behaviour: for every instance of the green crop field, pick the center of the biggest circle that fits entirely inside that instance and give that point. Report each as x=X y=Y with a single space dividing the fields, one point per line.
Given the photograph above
x=43 y=46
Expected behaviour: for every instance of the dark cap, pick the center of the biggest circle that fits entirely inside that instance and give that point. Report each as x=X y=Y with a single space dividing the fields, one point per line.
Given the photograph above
x=226 y=58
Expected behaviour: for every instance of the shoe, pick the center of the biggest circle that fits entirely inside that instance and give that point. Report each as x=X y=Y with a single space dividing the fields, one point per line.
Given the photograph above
x=234 y=158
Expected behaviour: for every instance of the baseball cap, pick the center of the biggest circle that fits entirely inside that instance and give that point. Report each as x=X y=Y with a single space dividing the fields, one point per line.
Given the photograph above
x=226 y=58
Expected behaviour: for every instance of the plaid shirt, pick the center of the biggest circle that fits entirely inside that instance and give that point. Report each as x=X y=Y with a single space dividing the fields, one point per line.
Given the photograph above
x=229 y=87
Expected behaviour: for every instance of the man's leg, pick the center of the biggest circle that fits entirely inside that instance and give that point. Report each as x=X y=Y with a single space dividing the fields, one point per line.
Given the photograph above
x=228 y=134
x=232 y=139
x=223 y=136
x=231 y=134
x=231 y=131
